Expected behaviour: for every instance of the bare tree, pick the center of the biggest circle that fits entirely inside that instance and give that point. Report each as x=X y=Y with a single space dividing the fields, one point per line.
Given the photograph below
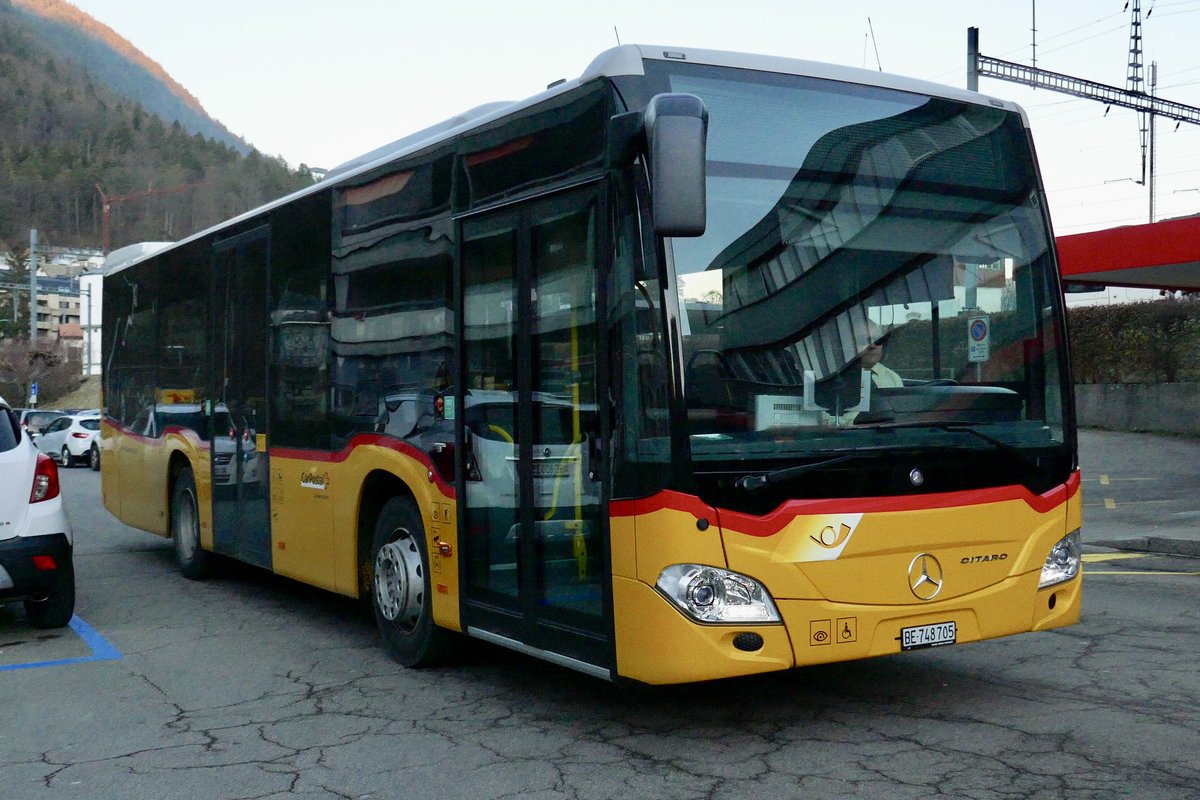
x=45 y=363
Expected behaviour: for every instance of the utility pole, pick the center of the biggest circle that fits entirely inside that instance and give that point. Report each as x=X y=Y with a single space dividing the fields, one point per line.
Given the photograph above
x=33 y=287
x=1153 y=91
x=1133 y=78
x=1133 y=98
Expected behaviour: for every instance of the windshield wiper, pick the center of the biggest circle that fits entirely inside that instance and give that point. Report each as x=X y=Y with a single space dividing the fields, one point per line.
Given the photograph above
x=950 y=427
x=753 y=482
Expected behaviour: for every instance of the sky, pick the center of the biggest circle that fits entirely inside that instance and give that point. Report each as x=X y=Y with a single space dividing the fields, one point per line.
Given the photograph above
x=319 y=82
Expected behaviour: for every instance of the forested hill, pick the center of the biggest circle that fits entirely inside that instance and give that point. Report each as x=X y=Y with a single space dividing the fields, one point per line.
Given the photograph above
x=64 y=131
x=113 y=62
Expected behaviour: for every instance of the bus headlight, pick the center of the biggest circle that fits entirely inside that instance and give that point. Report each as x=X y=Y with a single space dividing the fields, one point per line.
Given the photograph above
x=710 y=594
x=1062 y=563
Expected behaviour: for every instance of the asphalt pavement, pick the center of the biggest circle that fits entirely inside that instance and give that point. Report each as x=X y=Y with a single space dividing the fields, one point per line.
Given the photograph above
x=1141 y=492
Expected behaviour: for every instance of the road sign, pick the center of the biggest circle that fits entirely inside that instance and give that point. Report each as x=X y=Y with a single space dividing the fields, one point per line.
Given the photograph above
x=33 y=393
x=979 y=332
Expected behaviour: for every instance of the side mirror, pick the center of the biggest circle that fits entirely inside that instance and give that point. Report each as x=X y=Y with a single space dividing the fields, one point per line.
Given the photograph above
x=676 y=128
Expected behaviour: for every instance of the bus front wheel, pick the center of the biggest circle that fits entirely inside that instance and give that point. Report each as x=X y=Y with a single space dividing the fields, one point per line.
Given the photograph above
x=401 y=587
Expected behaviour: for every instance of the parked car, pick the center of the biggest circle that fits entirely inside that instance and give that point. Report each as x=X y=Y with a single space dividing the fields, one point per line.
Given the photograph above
x=36 y=541
x=71 y=439
x=34 y=419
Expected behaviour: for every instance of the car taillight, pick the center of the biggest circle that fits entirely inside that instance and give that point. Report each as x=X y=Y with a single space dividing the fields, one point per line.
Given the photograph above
x=442 y=456
x=79 y=435
x=44 y=563
x=45 y=480
x=473 y=473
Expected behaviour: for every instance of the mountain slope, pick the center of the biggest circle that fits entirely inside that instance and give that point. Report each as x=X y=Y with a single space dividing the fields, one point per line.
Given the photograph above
x=66 y=139
x=113 y=61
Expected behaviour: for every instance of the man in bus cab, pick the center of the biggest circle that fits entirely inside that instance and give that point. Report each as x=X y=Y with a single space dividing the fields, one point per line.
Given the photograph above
x=871 y=356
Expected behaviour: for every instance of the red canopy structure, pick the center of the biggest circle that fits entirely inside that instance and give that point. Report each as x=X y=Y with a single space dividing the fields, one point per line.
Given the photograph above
x=1159 y=255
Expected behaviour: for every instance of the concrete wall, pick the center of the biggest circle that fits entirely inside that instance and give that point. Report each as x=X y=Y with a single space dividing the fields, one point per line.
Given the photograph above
x=1157 y=407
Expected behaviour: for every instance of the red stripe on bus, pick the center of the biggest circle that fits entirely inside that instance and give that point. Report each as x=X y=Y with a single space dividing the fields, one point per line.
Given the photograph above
x=778 y=519
x=364 y=440
x=179 y=430
x=675 y=501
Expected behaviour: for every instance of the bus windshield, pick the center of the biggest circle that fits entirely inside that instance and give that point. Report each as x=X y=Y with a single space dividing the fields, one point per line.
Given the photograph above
x=876 y=272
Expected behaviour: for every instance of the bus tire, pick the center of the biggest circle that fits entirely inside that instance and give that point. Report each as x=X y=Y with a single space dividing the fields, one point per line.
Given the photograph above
x=401 y=590
x=193 y=561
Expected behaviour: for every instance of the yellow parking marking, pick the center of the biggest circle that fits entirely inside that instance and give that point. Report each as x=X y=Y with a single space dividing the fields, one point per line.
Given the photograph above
x=1138 y=572
x=1106 y=480
x=1109 y=503
x=1097 y=558
x=1093 y=558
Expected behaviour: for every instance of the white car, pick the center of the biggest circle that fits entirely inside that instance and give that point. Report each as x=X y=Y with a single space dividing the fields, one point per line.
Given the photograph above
x=72 y=438
x=35 y=537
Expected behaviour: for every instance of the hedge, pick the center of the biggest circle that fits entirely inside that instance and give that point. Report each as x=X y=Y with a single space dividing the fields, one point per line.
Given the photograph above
x=1156 y=341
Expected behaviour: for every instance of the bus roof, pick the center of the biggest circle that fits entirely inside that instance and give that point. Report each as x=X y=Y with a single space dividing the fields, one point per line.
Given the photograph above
x=623 y=60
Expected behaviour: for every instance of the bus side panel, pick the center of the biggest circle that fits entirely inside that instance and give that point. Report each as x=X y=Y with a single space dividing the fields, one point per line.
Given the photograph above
x=655 y=642
x=316 y=499
x=136 y=473
x=303 y=539
x=110 y=467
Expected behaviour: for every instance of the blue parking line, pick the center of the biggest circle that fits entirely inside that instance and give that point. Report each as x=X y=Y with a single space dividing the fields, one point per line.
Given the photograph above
x=100 y=647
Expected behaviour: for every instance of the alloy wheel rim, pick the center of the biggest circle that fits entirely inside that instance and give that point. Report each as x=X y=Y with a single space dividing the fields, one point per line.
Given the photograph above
x=399 y=584
x=188 y=532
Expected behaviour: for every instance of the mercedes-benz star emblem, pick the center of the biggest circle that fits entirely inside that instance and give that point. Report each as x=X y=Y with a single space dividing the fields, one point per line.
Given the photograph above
x=916 y=477
x=925 y=577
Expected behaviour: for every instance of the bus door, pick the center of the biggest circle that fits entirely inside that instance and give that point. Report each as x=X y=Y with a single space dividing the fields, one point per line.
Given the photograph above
x=535 y=555
x=236 y=406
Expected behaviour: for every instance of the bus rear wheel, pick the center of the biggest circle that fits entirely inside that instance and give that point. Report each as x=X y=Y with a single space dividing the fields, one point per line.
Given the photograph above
x=193 y=561
x=401 y=588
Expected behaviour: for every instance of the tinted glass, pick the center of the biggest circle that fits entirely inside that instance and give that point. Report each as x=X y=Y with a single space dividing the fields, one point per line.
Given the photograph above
x=300 y=301
x=391 y=332
x=10 y=432
x=562 y=140
x=873 y=259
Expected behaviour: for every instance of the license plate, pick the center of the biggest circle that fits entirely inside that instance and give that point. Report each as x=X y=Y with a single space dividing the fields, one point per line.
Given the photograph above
x=935 y=635
x=550 y=469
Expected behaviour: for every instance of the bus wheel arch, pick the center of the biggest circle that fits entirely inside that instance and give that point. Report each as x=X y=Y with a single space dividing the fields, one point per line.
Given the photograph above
x=395 y=576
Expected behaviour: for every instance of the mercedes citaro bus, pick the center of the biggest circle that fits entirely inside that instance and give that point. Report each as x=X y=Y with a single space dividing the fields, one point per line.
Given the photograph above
x=699 y=365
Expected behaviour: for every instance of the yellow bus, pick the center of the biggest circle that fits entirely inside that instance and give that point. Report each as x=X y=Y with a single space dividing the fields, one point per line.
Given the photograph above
x=699 y=365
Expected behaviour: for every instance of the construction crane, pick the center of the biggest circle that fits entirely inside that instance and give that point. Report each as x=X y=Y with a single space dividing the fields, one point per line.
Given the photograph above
x=106 y=201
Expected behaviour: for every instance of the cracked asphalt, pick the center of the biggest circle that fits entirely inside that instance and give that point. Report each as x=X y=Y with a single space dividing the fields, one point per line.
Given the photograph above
x=252 y=686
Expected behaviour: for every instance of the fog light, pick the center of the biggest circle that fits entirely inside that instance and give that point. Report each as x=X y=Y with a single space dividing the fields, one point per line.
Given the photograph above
x=748 y=642
x=1062 y=563
x=711 y=594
